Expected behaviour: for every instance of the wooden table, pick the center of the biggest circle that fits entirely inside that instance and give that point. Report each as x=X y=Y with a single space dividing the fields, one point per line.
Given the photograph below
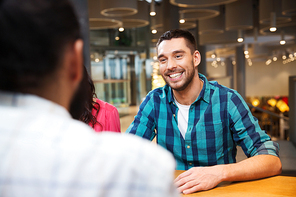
x=268 y=187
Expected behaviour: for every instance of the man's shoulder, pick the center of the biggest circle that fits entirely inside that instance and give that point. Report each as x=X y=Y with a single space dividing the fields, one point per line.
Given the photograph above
x=214 y=85
x=160 y=92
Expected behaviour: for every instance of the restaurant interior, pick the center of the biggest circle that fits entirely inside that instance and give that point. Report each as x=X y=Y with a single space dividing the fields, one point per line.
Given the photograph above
x=246 y=45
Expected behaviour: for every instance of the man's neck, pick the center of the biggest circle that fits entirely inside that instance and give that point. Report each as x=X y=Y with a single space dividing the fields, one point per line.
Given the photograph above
x=190 y=94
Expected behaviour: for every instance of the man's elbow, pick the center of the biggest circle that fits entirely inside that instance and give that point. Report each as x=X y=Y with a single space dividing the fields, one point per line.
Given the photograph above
x=277 y=166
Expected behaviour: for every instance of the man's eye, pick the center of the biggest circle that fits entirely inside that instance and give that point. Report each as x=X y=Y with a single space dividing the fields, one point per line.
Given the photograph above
x=162 y=60
x=178 y=56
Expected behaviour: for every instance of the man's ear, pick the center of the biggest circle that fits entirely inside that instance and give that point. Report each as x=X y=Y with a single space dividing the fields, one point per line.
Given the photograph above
x=76 y=62
x=196 y=58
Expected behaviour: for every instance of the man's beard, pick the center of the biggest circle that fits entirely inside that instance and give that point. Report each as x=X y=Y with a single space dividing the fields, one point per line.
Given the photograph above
x=188 y=80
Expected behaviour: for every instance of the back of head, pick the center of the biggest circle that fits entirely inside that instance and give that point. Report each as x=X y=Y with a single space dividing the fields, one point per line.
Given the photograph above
x=33 y=37
x=179 y=33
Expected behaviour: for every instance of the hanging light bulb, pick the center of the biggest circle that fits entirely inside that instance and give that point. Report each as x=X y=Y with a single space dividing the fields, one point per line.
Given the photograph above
x=250 y=62
x=152 y=8
x=154 y=31
x=283 y=41
x=240 y=36
x=121 y=29
x=274 y=58
x=268 y=62
x=246 y=52
x=284 y=56
x=272 y=22
x=182 y=20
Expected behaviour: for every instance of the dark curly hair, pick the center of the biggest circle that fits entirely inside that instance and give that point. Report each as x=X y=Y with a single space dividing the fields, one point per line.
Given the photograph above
x=84 y=101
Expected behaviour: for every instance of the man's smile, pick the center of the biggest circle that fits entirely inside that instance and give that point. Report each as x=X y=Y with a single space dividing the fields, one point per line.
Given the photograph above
x=175 y=75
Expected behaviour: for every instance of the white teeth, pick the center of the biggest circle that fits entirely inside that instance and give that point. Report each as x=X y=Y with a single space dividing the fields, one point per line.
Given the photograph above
x=175 y=75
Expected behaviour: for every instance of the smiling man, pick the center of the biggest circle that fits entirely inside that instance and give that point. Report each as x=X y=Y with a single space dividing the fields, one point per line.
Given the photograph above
x=201 y=122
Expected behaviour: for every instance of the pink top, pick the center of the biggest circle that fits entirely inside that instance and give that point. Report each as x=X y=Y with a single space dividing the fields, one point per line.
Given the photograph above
x=108 y=117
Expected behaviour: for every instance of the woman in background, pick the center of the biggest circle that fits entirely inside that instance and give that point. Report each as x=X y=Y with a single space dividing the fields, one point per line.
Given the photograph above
x=100 y=115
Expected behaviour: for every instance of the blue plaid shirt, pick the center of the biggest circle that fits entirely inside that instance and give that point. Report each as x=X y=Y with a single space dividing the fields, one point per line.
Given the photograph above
x=219 y=120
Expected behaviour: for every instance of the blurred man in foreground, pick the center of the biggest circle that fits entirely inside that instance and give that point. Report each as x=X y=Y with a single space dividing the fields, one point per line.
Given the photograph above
x=43 y=151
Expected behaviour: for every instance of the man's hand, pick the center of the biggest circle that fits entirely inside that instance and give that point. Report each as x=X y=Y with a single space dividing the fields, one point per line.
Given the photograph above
x=199 y=178
x=205 y=178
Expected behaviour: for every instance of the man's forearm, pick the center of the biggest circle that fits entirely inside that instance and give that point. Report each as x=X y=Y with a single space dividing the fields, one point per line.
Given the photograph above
x=255 y=167
x=205 y=178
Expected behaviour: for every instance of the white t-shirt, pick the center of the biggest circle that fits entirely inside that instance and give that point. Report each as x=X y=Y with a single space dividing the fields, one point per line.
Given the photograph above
x=44 y=152
x=183 y=114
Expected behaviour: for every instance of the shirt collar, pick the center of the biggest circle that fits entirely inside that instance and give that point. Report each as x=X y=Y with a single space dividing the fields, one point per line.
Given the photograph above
x=204 y=94
x=31 y=102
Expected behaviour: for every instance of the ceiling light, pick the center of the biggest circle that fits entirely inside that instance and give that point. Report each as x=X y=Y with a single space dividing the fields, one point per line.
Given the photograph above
x=121 y=29
x=240 y=39
x=182 y=20
x=152 y=8
x=152 y=13
x=268 y=62
x=283 y=41
x=246 y=52
x=272 y=22
x=154 y=31
x=274 y=58
x=240 y=36
x=250 y=62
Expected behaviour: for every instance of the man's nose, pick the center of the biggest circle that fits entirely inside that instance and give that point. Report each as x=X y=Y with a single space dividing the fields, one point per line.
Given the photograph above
x=171 y=64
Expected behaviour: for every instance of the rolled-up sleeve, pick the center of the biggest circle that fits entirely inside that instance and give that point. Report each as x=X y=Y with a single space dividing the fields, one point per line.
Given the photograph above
x=246 y=129
x=144 y=122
